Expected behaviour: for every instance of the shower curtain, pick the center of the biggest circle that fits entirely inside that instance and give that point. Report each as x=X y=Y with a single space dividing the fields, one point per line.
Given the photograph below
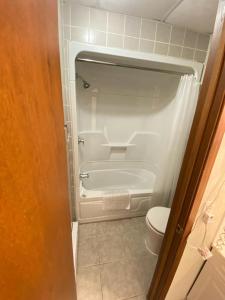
x=185 y=105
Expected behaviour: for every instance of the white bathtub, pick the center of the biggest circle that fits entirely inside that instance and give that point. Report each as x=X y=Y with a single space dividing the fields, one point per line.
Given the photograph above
x=135 y=181
x=138 y=182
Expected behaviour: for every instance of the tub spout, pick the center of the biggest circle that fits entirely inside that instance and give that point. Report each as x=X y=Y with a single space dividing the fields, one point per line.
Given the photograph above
x=80 y=140
x=84 y=175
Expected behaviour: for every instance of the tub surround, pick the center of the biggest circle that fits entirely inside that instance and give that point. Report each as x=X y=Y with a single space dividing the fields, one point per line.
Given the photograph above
x=127 y=121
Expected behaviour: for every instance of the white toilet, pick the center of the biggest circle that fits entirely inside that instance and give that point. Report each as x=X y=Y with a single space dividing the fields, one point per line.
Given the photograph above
x=156 y=220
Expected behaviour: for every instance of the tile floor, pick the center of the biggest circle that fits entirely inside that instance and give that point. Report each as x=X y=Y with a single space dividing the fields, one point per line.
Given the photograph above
x=113 y=263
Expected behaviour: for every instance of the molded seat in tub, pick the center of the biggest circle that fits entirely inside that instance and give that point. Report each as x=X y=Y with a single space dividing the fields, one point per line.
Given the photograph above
x=156 y=221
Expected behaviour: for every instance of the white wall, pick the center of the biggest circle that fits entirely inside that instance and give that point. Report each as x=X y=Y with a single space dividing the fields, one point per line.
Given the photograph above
x=128 y=106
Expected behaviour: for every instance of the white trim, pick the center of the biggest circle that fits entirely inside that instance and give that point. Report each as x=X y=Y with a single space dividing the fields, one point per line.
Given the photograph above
x=75 y=244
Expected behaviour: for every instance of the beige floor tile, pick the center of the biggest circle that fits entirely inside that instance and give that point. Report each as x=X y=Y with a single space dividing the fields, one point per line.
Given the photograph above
x=146 y=265
x=88 y=252
x=106 y=229
x=89 y=284
x=134 y=224
x=140 y=223
x=120 y=280
x=116 y=248
x=87 y=230
x=135 y=243
x=112 y=248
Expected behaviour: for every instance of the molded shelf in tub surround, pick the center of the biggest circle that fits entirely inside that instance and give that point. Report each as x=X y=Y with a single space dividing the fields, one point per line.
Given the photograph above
x=118 y=145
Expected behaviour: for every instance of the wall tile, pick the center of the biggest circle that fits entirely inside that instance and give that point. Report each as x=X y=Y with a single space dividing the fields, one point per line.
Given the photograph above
x=190 y=39
x=132 y=26
x=79 y=34
x=148 y=29
x=175 y=51
x=115 y=40
x=173 y=38
x=188 y=53
x=65 y=52
x=146 y=46
x=97 y=37
x=66 y=94
x=79 y=15
x=161 y=48
x=66 y=14
x=66 y=32
x=98 y=19
x=177 y=35
x=66 y=75
x=203 y=42
x=200 y=56
x=131 y=43
x=163 y=32
x=116 y=23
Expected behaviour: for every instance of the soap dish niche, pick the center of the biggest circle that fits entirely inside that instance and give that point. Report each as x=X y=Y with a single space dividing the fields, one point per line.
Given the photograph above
x=118 y=145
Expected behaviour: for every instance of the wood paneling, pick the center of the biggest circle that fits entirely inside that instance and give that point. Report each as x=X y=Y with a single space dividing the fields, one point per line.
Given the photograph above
x=36 y=248
x=204 y=141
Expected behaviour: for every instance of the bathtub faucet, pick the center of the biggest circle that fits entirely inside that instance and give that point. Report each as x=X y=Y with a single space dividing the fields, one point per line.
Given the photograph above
x=80 y=140
x=84 y=175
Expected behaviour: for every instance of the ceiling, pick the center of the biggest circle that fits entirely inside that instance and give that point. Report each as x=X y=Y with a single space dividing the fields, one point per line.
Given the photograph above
x=198 y=15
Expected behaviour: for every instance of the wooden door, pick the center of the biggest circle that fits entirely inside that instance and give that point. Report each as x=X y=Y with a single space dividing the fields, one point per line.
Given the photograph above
x=204 y=141
x=35 y=247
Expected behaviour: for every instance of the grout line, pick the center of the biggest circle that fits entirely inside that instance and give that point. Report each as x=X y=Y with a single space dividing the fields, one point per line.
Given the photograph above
x=124 y=27
x=156 y=28
x=89 y=25
x=137 y=38
x=140 y=31
x=107 y=28
x=89 y=17
x=171 y=28
x=70 y=14
x=126 y=259
x=196 y=43
x=182 y=50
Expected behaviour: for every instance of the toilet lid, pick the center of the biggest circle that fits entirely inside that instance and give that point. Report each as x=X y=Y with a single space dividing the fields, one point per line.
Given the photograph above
x=158 y=218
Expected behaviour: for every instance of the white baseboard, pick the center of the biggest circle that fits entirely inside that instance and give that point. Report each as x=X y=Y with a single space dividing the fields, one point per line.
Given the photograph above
x=75 y=243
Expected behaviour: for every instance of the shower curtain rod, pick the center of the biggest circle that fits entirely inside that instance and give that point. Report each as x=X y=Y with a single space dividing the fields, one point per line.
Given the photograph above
x=93 y=61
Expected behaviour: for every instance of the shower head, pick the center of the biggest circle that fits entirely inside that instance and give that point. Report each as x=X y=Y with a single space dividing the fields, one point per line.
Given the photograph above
x=86 y=84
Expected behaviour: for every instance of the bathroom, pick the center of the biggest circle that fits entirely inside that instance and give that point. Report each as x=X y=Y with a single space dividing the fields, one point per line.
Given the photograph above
x=112 y=150
x=131 y=80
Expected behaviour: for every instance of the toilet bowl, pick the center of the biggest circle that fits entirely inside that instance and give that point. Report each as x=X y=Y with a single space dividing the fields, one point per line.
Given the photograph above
x=156 y=221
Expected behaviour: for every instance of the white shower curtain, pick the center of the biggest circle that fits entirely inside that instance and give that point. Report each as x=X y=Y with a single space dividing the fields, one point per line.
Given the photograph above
x=185 y=105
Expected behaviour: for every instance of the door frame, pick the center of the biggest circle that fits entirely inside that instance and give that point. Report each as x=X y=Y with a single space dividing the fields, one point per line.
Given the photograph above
x=205 y=137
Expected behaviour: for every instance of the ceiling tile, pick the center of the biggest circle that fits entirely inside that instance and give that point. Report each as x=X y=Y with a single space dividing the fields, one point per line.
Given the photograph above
x=144 y=8
x=196 y=15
